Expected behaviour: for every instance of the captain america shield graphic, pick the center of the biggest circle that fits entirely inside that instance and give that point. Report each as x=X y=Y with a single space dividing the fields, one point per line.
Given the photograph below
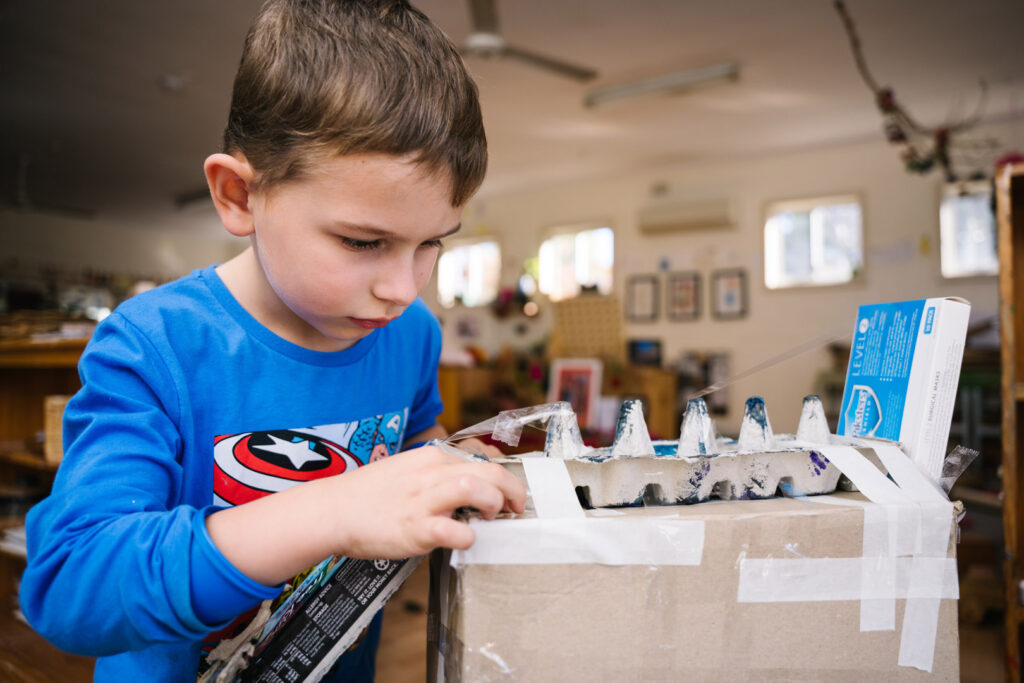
x=250 y=465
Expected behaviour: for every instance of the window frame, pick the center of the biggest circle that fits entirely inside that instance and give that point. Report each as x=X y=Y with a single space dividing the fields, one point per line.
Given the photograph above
x=806 y=204
x=574 y=229
x=950 y=189
x=453 y=243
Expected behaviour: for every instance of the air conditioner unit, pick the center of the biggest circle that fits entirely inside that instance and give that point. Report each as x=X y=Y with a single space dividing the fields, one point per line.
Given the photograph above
x=681 y=216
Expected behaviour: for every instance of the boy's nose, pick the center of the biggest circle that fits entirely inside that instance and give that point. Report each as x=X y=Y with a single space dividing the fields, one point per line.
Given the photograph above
x=397 y=285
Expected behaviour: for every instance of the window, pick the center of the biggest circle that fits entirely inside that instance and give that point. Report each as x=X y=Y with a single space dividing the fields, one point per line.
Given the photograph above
x=469 y=274
x=813 y=242
x=570 y=261
x=967 y=231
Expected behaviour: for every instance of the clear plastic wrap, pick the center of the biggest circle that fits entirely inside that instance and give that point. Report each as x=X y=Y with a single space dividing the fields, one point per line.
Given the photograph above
x=956 y=462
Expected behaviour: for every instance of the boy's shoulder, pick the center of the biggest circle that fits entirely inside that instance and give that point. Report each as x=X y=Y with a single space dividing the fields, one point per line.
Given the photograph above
x=187 y=291
x=179 y=300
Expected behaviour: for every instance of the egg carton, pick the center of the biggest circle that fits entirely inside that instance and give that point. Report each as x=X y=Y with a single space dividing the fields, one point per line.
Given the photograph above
x=699 y=466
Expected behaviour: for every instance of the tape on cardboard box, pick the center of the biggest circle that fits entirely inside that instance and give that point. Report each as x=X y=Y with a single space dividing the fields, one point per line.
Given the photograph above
x=658 y=541
x=551 y=488
x=917 y=516
x=906 y=532
x=829 y=579
x=662 y=623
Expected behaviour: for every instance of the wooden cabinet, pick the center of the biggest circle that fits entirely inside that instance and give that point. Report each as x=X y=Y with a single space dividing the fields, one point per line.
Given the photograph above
x=1010 y=219
x=654 y=386
x=459 y=385
x=29 y=372
x=657 y=389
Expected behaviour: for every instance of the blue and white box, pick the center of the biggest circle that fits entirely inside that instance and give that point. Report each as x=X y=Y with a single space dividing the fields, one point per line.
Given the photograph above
x=903 y=374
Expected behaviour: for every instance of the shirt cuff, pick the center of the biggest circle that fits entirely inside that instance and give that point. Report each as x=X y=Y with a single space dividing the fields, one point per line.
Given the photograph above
x=219 y=590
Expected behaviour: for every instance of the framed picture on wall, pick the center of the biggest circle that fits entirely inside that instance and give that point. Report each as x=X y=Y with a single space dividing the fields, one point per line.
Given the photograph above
x=642 y=298
x=683 y=296
x=577 y=381
x=729 y=293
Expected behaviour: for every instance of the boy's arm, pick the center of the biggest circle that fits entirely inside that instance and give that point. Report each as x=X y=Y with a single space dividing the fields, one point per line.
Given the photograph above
x=111 y=549
x=435 y=431
x=396 y=507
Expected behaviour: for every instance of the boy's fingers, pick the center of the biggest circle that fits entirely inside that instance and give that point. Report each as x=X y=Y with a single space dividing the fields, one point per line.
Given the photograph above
x=474 y=445
x=467 y=490
x=449 y=533
x=513 y=490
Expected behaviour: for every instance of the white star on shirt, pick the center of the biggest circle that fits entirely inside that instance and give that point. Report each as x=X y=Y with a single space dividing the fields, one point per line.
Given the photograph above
x=298 y=452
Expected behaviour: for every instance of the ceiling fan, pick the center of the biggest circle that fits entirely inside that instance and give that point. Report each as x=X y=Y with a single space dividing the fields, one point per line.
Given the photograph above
x=485 y=41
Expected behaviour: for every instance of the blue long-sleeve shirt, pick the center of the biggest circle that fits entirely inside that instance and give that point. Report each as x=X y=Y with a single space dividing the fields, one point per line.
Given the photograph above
x=188 y=404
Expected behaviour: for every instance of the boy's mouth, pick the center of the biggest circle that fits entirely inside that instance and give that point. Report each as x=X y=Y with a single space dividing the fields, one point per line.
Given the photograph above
x=371 y=323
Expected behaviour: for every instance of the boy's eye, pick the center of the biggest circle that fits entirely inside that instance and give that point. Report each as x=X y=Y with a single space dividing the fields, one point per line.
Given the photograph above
x=432 y=244
x=360 y=245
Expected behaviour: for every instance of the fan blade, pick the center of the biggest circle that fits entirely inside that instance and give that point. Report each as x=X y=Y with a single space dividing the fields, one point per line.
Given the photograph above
x=578 y=73
x=485 y=16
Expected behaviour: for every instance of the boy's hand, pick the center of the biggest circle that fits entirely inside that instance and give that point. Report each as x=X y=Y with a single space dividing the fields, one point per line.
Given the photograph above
x=402 y=506
x=393 y=508
x=478 y=447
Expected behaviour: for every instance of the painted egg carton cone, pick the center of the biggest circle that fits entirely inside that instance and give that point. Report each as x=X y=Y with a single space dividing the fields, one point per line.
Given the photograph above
x=701 y=465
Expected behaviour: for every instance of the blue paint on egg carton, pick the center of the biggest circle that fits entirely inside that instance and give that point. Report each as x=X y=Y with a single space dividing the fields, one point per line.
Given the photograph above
x=700 y=465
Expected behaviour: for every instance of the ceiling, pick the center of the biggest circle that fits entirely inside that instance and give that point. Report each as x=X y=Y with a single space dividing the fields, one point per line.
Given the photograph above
x=109 y=107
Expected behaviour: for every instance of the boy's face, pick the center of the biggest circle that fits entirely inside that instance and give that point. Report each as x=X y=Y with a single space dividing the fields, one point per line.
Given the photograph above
x=347 y=249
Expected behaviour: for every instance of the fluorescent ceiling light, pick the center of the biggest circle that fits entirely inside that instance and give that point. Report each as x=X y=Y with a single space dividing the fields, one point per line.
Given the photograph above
x=668 y=83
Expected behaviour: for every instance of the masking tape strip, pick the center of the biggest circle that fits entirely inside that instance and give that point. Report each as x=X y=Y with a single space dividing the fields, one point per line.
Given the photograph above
x=591 y=540
x=921 y=618
x=829 y=579
x=884 y=528
x=864 y=475
x=554 y=496
x=918 y=524
x=878 y=614
x=878 y=545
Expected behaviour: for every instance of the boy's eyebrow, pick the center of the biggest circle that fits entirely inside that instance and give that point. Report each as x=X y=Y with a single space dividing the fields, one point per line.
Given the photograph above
x=380 y=233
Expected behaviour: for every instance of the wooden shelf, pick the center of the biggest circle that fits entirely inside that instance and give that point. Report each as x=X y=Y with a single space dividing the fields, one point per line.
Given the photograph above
x=12 y=551
x=1010 y=224
x=27 y=460
x=988 y=499
x=63 y=353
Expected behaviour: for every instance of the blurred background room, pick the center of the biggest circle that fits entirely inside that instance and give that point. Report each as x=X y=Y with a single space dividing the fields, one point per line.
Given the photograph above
x=684 y=194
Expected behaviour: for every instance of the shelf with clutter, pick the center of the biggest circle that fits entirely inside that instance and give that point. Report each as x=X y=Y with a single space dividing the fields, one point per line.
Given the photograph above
x=587 y=330
x=38 y=371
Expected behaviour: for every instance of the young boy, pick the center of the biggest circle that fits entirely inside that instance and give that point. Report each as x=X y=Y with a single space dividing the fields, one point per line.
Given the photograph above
x=353 y=141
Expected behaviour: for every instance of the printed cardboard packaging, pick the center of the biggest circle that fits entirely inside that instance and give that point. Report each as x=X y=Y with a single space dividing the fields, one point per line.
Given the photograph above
x=902 y=378
x=495 y=620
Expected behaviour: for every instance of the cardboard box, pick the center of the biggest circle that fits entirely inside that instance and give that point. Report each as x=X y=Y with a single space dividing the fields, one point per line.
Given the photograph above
x=902 y=378
x=519 y=606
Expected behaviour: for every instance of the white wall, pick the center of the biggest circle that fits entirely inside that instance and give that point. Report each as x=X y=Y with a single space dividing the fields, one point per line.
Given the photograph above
x=902 y=257
x=163 y=247
x=901 y=215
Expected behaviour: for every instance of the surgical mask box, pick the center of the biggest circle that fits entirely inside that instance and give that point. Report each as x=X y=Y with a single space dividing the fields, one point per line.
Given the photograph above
x=902 y=378
x=745 y=590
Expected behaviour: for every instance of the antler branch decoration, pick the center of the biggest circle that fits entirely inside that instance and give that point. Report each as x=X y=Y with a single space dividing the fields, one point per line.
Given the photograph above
x=924 y=148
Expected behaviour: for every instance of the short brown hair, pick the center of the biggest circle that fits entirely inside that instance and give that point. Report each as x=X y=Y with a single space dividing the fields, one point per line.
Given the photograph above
x=333 y=77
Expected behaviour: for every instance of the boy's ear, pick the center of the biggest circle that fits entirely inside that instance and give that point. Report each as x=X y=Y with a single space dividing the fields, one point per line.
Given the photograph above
x=230 y=179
